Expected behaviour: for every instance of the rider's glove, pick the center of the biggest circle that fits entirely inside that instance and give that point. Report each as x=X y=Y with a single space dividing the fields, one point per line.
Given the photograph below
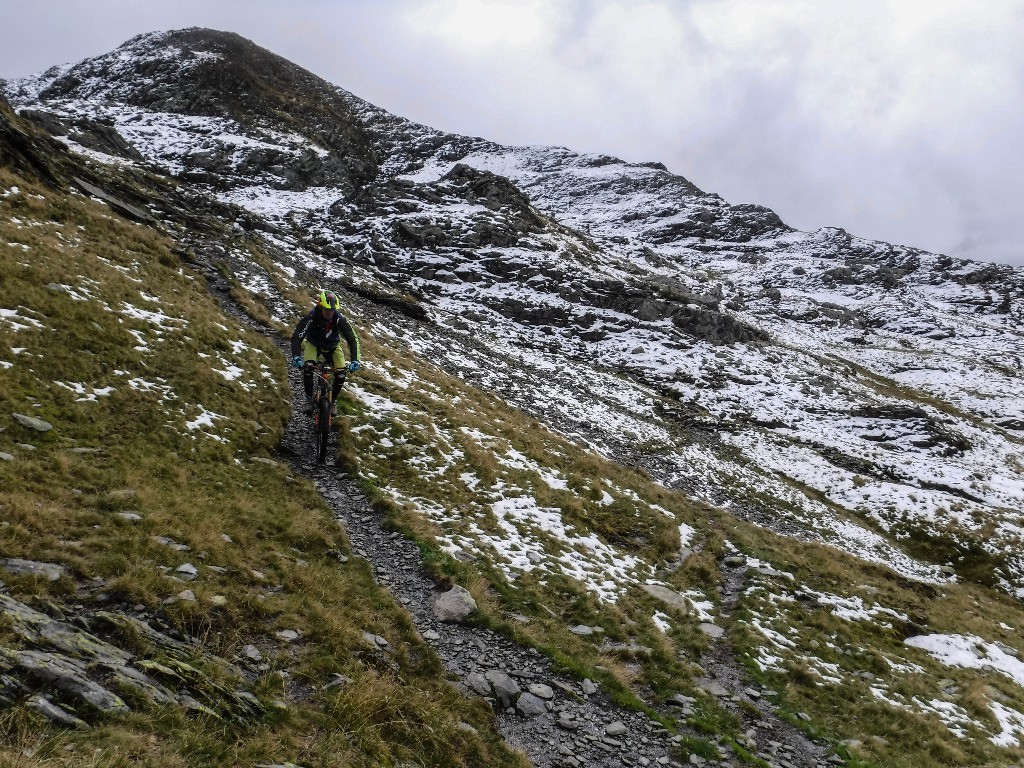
x=297 y=361
x=354 y=365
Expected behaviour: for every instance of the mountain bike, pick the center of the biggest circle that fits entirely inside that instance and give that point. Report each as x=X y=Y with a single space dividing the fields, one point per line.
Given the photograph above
x=322 y=406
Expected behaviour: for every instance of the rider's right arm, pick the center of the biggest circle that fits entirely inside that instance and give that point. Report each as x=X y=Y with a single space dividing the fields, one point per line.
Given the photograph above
x=300 y=331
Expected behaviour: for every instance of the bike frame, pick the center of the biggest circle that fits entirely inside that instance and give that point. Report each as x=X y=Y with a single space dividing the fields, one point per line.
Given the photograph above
x=322 y=402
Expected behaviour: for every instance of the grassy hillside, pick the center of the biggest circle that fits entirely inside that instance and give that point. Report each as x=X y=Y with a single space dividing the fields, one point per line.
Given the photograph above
x=550 y=537
x=164 y=412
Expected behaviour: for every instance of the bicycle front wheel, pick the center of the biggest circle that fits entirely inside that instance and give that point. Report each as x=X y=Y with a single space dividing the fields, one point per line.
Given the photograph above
x=322 y=428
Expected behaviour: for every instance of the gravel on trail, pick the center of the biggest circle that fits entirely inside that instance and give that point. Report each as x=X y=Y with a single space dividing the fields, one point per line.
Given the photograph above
x=554 y=719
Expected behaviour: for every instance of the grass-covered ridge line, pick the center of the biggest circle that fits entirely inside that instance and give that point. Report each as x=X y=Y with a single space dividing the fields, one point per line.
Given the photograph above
x=160 y=402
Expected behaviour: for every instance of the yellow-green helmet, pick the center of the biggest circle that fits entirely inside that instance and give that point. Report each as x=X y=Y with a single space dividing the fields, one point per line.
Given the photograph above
x=328 y=300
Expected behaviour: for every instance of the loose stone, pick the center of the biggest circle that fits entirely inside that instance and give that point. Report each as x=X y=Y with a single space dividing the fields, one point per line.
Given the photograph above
x=32 y=422
x=51 y=571
x=187 y=571
x=615 y=729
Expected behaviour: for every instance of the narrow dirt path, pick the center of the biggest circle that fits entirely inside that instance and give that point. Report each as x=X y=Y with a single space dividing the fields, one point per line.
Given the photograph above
x=577 y=723
x=774 y=740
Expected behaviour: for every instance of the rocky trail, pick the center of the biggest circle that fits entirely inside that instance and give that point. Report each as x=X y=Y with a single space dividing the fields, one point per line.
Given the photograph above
x=556 y=720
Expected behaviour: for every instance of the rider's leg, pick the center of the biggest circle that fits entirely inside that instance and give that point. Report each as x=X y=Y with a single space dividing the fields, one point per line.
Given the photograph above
x=337 y=361
x=335 y=358
x=308 y=362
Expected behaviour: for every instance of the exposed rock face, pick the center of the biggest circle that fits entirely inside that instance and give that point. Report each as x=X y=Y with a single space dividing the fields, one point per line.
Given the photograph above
x=26 y=152
x=69 y=662
x=222 y=75
x=91 y=134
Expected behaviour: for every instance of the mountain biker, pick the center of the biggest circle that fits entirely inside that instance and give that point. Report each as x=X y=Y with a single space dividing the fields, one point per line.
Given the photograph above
x=320 y=333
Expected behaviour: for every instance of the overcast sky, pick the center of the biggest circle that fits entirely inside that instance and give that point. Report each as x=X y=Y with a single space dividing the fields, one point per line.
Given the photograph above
x=901 y=120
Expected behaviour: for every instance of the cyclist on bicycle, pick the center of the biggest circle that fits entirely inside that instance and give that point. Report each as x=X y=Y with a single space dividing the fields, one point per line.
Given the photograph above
x=319 y=333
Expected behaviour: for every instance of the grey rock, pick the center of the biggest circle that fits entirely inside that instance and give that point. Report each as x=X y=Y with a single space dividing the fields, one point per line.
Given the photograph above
x=530 y=705
x=668 y=596
x=713 y=687
x=65 y=675
x=567 y=722
x=505 y=688
x=169 y=542
x=6 y=456
x=376 y=641
x=712 y=630
x=252 y=653
x=53 y=713
x=618 y=728
x=10 y=689
x=32 y=422
x=541 y=691
x=187 y=571
x=131 y=517
x=192 y=703
x=39 y=629
x=50 y=571
x=455 y=605
x=337 y=681
x=679 y=700
x=478 y=684
x=589 y=687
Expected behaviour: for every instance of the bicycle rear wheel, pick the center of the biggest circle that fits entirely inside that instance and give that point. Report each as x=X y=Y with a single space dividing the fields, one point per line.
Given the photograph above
x=322 y=428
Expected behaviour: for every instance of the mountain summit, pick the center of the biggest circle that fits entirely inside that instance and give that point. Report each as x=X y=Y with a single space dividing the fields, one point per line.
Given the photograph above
x=726 y=451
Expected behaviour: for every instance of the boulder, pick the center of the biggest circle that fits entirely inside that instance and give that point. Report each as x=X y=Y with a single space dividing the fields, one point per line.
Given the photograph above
x=506 y=690
x=455 y=605
x=530 y=705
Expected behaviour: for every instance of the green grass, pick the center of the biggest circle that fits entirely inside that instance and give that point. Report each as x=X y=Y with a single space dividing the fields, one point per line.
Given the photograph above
x=263 y=540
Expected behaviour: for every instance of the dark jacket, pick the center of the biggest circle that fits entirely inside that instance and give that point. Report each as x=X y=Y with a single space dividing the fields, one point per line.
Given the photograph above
x=325 y=334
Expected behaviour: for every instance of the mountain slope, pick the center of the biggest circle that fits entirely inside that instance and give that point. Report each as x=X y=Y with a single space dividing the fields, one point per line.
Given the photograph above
x=157 y=567
x=843 y=393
